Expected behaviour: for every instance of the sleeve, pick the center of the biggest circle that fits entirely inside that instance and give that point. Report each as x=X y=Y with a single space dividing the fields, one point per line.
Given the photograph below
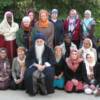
x=84 y=74
x=19 y=38
x=51 y=57
x=13 y=69
x=51 y=38
x=92 y=28
x=30 y=59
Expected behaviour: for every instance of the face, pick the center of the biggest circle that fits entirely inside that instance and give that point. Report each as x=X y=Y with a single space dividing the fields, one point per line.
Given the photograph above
x=86 y=44
x=26 y=24
x=89 y=58
x=39 y=42
x=86 y=15
x=67 y=40
x=31 y=15
x=43 y=16
x=74 y=55
x=3 y=54
x=9 y=19
x=58 y=51
x=72 y=13
x=54 y=15
x=20 y=53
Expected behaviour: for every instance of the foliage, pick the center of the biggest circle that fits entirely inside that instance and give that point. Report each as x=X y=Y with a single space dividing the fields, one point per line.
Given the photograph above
x=19 y=7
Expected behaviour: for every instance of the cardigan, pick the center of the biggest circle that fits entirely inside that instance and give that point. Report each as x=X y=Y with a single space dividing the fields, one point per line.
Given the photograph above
x=16 y=70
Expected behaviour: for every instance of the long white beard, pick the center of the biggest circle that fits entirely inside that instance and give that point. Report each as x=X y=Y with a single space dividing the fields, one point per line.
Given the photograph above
x=39 y=51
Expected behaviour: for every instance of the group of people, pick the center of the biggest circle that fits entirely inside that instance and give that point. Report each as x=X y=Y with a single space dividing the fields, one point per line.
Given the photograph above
x=42 y=55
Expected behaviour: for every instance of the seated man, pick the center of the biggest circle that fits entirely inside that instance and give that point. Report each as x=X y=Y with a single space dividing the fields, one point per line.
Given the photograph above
x=39 y=57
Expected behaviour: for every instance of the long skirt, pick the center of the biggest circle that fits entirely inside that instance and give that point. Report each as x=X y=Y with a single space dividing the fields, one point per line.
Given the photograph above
x=11 y=49
x=49 y=77
x=2 y=41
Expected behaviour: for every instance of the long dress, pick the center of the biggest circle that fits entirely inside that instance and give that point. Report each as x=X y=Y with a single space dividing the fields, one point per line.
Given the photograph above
x=9 y=33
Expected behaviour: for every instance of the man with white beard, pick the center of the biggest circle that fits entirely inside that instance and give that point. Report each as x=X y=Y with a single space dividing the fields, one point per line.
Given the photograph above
x=40 y=57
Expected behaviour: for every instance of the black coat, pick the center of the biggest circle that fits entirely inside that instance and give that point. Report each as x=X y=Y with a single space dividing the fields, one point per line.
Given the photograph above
x=97 y=73
x=59 y=66
x=47 y=56
x=79 y=75
x=58 y=32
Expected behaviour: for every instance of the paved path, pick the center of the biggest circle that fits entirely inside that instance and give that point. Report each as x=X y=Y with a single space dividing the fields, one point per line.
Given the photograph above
x=58 y=95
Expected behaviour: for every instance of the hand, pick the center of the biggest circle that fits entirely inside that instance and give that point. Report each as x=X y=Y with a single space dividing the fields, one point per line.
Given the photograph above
x=18 y=81
x=55 y=77
x=92 y=87
x=75 y=82
x=41 y=67
x=60 y=76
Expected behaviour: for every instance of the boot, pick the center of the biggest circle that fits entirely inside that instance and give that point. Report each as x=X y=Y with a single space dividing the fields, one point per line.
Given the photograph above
x=42 y=86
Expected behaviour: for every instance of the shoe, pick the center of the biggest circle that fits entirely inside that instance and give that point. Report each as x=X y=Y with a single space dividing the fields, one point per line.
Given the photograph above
x=88 y=91
x=97 y=92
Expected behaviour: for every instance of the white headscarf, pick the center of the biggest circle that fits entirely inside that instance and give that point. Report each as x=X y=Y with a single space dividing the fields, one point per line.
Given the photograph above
x=86 y=50
x=90 y=65
x=8 y=31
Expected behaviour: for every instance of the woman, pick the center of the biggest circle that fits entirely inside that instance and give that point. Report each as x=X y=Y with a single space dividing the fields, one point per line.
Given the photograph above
x=5 y=71
x=93 y=73
x=72 y=27
x=58 y=28
x=40 y=57
x=74 y=73
x=8 y=29
x=88 y=27
x=18 y=69
x=59 y=68
x=25 y=33
x=31 y=14
x=67 y=45
x=87 y=47
x=45 y=26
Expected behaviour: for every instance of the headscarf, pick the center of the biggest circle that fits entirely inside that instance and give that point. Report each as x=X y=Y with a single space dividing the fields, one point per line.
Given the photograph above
x=90 y=66
x=73 y=64
x=86 y=50
x=5 y=28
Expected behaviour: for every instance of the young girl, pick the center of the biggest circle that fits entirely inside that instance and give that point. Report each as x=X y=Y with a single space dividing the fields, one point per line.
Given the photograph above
x=5 y=71
x=59 y=67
